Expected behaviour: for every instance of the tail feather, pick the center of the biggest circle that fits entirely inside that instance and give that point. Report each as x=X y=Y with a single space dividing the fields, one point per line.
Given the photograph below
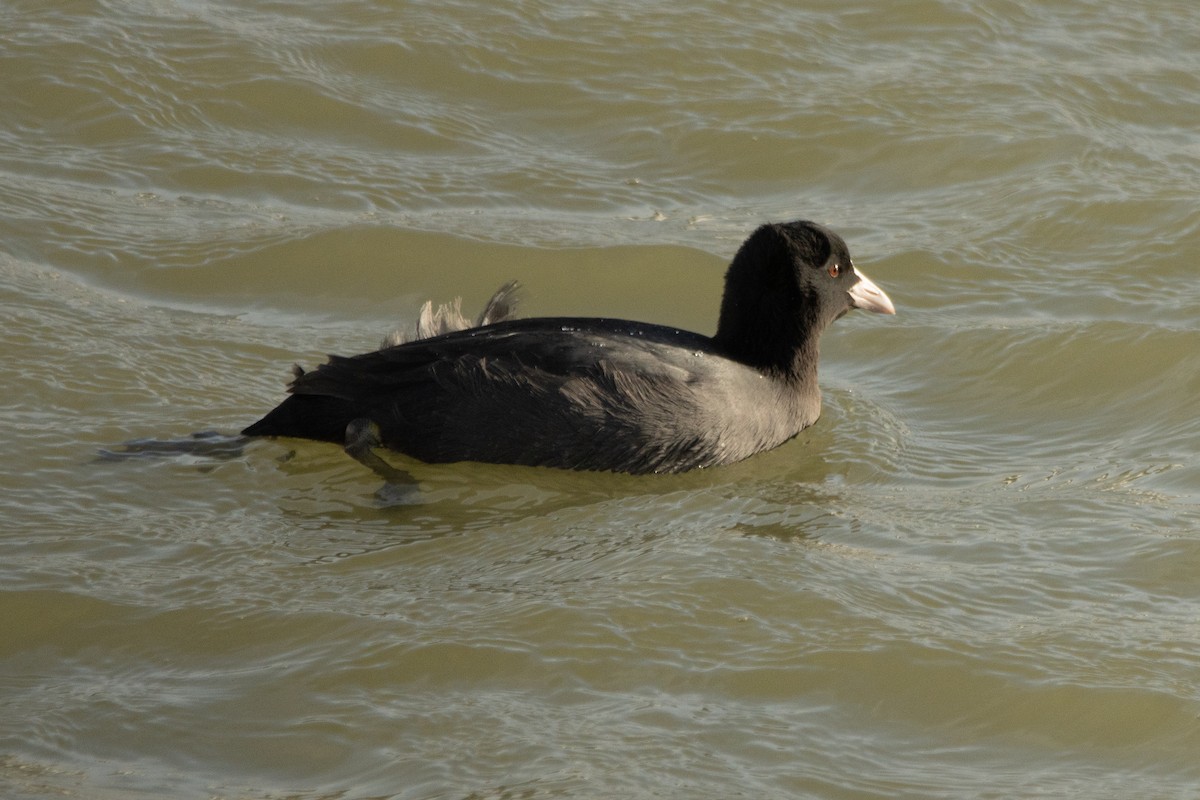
x=307 y=416
x=315 y=411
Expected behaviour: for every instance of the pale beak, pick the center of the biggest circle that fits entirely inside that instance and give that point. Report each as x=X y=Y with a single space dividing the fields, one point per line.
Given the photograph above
x=869 y=297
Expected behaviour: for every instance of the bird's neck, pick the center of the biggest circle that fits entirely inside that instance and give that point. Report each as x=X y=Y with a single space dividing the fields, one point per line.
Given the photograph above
x=781 y=345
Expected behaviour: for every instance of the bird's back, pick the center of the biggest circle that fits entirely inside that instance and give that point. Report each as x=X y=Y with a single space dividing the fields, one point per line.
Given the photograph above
x=563 y=392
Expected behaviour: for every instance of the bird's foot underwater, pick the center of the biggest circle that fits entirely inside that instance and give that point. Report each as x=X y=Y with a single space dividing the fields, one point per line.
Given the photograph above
x=204 y=444
x=362 y=440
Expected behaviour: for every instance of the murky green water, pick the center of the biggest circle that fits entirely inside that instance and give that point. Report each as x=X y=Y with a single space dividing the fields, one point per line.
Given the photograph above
x=977 y=576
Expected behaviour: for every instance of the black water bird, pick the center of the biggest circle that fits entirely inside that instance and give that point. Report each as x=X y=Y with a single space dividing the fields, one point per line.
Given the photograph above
x=594 y=393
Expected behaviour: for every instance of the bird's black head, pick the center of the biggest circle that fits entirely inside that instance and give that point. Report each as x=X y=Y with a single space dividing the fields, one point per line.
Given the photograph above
x=785 y=285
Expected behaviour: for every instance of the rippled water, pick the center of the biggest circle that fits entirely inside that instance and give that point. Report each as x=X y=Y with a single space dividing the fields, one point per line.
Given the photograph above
x=975 y=577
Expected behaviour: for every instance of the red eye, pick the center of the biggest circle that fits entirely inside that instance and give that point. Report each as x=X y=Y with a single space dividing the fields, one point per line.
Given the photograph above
x=834 y=269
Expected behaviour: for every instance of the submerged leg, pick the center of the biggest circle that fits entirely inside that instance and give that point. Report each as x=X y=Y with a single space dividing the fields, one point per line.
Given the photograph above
x=362 y=438
x=207 y=444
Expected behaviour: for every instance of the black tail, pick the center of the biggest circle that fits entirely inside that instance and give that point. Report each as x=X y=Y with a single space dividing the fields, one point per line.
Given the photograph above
x=307 y=416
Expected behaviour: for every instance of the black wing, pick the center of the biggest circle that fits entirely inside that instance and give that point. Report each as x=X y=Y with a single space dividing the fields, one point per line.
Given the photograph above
x=572 y=393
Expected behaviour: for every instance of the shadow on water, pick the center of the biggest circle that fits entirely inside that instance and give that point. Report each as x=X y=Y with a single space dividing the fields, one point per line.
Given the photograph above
x=791 y=494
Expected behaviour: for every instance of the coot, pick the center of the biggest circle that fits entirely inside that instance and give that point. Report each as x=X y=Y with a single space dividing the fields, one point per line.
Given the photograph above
x=603 y=394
